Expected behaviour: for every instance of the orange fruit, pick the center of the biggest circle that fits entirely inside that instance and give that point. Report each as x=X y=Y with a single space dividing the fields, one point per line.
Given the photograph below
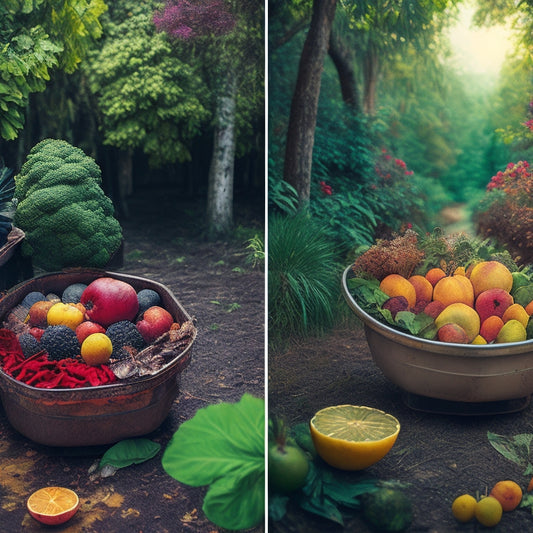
x=423 y=288
x=434 y=274
x=53 y=505
x=508 y=493
x=96 y=349
x=397 y=285
x=454 y=289
x=61 y=314
x=353 y=437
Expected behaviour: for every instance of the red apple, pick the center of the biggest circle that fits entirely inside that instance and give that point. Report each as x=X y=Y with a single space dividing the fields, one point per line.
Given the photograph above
x=492 y=302
x=88 y=328
x=155 y=321
x=109 y=300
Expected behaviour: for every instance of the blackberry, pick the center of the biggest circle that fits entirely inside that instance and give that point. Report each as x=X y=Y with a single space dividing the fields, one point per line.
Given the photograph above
x=29 y=344
x=124 y=333
x=60 y=342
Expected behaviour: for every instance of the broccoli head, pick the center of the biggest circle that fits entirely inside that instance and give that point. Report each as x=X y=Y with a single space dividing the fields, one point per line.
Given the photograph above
x=66 y=216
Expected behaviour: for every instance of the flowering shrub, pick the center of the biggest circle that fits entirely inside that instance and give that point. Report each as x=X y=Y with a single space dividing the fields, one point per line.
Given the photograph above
x=390 y=169
x=184 y=20
x=506 y=212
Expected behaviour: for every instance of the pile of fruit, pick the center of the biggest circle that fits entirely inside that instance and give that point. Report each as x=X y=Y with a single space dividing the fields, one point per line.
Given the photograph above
x=482 y=304
x=505 y=496
x=73 y=339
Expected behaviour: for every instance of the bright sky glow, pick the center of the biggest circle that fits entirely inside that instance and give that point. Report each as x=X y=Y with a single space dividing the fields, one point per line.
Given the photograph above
x=479 y=50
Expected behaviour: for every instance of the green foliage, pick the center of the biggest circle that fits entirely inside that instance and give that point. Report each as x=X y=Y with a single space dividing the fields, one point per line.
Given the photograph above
x=303 y=276
x=256 y=251
x=36 y=37
x=223 y=446
x=282 y=196
x=148 y=97
x=67 y=219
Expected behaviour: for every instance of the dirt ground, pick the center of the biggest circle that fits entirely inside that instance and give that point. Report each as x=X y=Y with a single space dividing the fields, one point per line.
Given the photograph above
x=439 y=456
x=225 y=295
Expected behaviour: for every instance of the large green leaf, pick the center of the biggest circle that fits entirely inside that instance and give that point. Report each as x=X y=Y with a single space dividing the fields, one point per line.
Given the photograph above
x=223 y=446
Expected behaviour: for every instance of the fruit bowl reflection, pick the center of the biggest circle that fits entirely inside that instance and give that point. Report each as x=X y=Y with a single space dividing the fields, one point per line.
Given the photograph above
x=445 y=371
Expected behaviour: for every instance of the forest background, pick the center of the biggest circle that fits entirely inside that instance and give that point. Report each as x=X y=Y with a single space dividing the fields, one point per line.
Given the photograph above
x=375 y=127
x=153 y=105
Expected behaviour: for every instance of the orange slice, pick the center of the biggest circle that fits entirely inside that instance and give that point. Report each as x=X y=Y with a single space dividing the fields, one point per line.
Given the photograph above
x=53 y=505
x=353 y=437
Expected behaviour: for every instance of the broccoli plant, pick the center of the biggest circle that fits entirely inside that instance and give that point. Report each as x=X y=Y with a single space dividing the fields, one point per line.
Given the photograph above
x=67 y=218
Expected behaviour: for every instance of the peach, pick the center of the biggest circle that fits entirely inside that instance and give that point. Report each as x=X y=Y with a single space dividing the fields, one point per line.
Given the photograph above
x=491 y=275
x=459 y=271
x=517 y=312
x=423 y=288
x=493 y=302
x=454 y=289
x=479 y=340
x=490 y=327
x=154 y=322
x=452 y=333
x=434 y=308
x=397 y=285
x=463 y=315
x=87 y=328
x=529 y=308
x=434 y=274
x=38 y=312
x=508 y=493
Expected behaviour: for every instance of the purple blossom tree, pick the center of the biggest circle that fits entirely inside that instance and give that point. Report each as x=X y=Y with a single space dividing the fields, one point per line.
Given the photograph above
x=213 y=23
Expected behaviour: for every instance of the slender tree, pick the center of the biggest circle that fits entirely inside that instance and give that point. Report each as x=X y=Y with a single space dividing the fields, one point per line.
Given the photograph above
x=227 y=38
x=302 y=120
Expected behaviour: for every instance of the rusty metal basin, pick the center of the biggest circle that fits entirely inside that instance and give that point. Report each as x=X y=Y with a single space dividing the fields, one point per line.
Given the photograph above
x=445 y=371
x=92 y=415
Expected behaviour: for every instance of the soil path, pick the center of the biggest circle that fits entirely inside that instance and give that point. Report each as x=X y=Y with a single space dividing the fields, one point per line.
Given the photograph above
x=225 y=295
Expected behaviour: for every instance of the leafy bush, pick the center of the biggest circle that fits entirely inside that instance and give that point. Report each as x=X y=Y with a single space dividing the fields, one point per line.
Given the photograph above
x=303 y=276
x=505 y=214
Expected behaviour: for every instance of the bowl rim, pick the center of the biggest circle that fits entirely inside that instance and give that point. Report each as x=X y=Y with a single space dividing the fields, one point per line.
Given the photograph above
x=451 y=349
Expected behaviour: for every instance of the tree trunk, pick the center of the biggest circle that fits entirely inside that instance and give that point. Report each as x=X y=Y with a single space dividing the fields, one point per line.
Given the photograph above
x=221 y=170
x=302 y=120
x=124 y=181
x=343 y=61
x=370 y=73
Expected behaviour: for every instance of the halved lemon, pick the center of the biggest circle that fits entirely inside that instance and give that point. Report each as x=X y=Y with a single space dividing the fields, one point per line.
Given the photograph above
x=53 y=505
x=353 y=437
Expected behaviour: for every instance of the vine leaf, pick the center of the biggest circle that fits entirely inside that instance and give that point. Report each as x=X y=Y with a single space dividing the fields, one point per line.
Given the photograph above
x=515 y=449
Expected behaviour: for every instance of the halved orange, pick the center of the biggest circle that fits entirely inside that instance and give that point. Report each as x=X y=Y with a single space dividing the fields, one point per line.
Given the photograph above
x=53 y=505
x=353 y=437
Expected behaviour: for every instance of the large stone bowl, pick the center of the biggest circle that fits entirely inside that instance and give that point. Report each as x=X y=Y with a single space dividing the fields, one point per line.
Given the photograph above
x=464 y=373
x=93 y=415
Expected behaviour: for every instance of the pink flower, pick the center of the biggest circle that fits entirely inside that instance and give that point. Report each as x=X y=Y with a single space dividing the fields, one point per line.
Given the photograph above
x=325 y=188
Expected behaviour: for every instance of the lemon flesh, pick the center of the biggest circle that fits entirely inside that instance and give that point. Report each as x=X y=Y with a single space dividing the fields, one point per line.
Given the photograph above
x=353 y=437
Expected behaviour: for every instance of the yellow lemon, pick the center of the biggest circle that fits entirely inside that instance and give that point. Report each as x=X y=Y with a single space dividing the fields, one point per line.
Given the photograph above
x=61 y=314
x=464 y=507
x=353 y=437
x=96 y=349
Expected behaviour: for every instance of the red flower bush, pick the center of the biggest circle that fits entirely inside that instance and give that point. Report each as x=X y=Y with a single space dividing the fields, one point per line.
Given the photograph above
x=506 y=213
